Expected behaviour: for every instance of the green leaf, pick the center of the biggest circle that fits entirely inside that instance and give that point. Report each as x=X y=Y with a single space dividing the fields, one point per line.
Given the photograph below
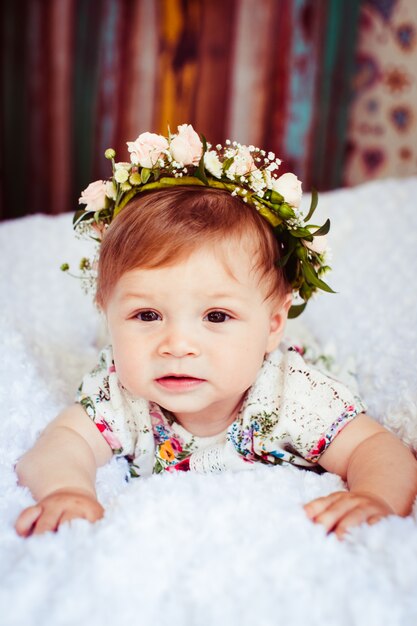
x=296 y=310
x=313 y=280
x=145 y=174
x=292 y=244
x=80 y=216
x=313 y=204
x=323 y=230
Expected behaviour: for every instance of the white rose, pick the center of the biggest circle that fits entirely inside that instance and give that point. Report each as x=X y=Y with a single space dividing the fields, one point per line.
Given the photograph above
x=186 y=147
x=213 y=164
x=147 y=149
x=318 y=245
x=289 y=187
x=94 y=196
x=243 y=162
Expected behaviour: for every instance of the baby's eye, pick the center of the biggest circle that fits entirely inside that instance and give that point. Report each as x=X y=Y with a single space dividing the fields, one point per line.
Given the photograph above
x=148 y=316
x=217 y=317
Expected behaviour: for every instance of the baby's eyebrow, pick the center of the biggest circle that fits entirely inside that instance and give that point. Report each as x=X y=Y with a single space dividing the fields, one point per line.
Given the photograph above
x=136 y=296
x=219 y=295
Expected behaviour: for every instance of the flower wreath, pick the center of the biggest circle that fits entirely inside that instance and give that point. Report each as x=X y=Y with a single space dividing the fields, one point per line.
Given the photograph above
x=185 y=158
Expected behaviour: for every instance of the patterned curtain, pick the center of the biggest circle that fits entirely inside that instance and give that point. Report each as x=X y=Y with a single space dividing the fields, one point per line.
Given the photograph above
x=382 y=134
x=79 y=76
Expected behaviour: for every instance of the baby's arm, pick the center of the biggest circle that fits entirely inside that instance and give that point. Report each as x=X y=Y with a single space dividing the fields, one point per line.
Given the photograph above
x=381 y=473
x=60 y=471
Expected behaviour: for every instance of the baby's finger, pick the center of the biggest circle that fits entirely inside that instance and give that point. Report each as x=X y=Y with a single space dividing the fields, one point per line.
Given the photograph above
x=94 y=513
x=335 y=513
x=317 y=506
x=355 y=517
x=27 y=519
x=68 y=516
x=48 y=521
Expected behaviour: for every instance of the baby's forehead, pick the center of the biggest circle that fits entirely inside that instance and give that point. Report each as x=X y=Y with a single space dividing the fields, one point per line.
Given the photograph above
x=215 y=268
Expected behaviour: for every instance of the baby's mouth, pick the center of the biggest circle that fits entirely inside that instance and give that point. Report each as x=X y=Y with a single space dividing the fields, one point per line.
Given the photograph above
x=179 y=381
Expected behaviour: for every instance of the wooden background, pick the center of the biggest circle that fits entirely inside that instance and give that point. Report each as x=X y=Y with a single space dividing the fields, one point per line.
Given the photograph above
x=79 y=76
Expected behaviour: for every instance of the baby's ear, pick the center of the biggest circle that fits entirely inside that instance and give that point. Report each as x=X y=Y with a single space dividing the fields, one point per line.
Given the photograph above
x=279 y=315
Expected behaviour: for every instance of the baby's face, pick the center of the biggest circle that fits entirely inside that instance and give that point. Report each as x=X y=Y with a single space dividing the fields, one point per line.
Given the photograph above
x=192 y=336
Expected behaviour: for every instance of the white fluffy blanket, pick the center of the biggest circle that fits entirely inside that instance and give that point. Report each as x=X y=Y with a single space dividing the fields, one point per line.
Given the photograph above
x=236 y=548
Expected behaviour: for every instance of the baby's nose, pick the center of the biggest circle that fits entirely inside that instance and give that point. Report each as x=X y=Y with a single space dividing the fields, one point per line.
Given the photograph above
x=178 y=342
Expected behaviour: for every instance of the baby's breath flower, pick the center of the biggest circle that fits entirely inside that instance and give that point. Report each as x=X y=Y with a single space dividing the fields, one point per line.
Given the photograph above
x=257 y=182
x=267 y=178
x=271 y=156
x=272 y=167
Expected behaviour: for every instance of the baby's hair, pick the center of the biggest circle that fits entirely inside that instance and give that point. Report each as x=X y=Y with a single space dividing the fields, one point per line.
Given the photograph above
x=162 y=227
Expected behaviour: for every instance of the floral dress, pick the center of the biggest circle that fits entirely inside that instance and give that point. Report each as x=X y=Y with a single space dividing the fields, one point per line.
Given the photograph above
x=291 y=414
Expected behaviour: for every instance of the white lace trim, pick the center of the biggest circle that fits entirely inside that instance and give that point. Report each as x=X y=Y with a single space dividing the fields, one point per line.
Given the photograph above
x=208 y=460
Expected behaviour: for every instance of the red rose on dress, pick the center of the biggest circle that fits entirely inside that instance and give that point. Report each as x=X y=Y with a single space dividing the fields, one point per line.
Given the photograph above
x=182 y=466
x=319 y=447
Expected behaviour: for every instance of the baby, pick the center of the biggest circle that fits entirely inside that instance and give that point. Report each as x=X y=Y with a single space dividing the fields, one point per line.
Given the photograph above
x=193 y=284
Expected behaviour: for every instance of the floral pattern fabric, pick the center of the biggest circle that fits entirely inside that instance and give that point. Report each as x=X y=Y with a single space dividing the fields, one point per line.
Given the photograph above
x=291 y=414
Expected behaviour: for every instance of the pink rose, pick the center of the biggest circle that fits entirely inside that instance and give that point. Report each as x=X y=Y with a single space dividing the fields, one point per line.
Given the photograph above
x=243 y=162
x=186 y=146
x=94 y=196
x=289 y=187
x=147 y=149
x=318 y=245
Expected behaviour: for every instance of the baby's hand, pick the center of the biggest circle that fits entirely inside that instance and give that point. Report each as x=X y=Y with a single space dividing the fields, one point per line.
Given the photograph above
x=341 y=510
x=58 y=507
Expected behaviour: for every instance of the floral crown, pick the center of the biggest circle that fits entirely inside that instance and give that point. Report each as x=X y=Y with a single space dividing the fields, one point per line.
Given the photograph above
x=185 y=158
